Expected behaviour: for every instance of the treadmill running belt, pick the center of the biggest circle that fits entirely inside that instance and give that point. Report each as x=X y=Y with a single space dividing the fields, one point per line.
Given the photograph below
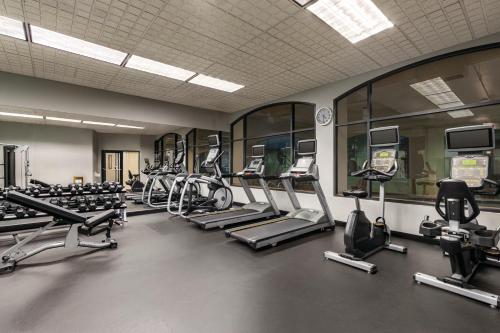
x=221 y=216
x=271 y=230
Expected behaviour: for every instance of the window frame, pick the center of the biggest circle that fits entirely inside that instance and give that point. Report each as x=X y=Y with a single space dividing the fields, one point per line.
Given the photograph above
x=369 y=85
x=291 y=133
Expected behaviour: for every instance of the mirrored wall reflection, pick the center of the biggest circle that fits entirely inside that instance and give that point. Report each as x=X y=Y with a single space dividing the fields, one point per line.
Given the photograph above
x=197 y=149
x=278 y=127
x=424 y=101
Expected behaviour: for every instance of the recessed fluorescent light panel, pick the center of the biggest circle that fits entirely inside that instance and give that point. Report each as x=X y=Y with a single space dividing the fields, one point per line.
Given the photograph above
x=21 y=115
x=129 y=126
x=88 y=122
x=302 y=2
x=68 y=120
x=212 y=82
x=74 y=45
x=440 y=94
x=155 y=67
x=12 y=28
x=353 y=19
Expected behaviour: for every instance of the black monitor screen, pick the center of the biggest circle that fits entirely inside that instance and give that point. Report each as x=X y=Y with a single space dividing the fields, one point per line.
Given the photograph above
x=306 y=147
x=383 y=137
x=258 y=151
x=473 y=139
x=180 y=146
x=213 y=140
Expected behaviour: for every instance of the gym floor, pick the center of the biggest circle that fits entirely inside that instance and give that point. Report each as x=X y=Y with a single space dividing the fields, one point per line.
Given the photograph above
x=168 y=276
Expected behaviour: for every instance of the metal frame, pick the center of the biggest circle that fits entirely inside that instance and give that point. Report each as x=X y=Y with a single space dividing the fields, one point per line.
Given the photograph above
x=369 y=84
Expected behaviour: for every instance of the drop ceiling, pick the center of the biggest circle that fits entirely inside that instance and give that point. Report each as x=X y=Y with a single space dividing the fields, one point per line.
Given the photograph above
x=273 y=47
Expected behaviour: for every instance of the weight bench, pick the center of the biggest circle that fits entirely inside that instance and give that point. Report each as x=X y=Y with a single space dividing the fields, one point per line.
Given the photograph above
x=78 y=225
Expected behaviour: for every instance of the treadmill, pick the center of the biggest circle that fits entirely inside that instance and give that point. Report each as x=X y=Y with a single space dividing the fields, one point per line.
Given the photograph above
x=298 y=222
x=254 y=210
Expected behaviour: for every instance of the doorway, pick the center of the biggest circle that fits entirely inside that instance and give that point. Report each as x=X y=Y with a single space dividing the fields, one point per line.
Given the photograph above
x=117 y=165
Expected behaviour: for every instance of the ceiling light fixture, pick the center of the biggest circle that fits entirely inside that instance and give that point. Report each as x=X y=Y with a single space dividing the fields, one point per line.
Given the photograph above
x=11 y=27
x=21 y=115
x=74 y=45
x=63 y=119
x=214 y=83
x=88 y=122
x=440 y=94
x=353 y=19
x=129 y=126
x=155 y=67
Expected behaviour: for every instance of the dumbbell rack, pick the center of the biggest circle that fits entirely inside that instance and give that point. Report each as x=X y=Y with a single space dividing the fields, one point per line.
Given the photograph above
x=123 y=207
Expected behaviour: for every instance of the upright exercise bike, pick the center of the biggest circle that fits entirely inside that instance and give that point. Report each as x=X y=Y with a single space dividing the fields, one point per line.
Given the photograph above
x=467 y=243
x=363 y=238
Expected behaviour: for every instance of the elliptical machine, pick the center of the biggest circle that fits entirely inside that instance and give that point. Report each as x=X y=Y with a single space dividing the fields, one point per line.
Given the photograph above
x=467 y=243
x=363 y=238
x=220 y=196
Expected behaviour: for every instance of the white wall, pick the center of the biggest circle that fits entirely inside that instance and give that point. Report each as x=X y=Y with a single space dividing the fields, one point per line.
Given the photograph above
x=56 y=153
x=400 y=217
x=29 y=92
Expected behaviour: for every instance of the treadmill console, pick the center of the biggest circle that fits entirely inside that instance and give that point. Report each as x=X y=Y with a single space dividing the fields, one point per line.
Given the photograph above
x=383 y=159
x=256 y=165
x=471 y=169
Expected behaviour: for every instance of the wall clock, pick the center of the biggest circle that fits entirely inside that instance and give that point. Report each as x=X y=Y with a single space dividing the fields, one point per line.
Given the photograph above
x=324 y=116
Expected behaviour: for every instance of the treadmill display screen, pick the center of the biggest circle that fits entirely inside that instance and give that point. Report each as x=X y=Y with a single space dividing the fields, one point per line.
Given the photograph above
x=213 y=140
x=258 y=151
x=384 y=137
x=306 y=147
x=474 y=139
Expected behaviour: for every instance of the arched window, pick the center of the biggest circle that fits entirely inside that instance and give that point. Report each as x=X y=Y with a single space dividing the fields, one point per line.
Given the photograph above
x=197 y=148
x=278 y=127
x=457 y=89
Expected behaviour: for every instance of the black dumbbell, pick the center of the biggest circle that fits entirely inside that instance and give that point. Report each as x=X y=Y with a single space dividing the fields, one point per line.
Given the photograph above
x=52 y=191
x=93 y=188
x=105 y=185
x=36 y=192
x=108 y=203
x=19 y=212
x=28 y=191
x=31 y=212
x=92 y=205
x=72 y=189
x=2 y=212
x=79 y=189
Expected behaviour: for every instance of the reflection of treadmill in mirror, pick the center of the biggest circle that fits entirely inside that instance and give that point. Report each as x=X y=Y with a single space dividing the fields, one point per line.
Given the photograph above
x=252 y=211
x=298 y=222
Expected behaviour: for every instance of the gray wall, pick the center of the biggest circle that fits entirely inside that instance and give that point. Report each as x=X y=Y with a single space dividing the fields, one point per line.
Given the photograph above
x=29 y=92
x=56 y=153
x=400 y=217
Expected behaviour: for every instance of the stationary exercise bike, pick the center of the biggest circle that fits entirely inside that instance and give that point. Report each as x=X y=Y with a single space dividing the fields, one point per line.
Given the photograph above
x=363 y=238
x=467 y=243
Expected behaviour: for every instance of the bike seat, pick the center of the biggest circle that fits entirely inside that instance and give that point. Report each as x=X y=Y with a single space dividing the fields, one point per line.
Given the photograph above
x=355 y=193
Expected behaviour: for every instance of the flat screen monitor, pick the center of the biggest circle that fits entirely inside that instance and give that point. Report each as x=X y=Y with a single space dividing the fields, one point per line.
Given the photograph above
x=213 y=140
x=258 y=151
x=306 y=147
x=384 y=136
x=180 y=146
x=470 y=138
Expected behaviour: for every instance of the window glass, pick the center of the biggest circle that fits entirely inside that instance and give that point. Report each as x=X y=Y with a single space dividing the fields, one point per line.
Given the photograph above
x=238 y=130
x=305 y=135
x=278 y=156
x=226 y=148
x=268 y=121
x=450 y=82
x=202 y=136
x=351 y=154
x=422 y=156
x=353 y=107
x=238 y=159
x=304 y=116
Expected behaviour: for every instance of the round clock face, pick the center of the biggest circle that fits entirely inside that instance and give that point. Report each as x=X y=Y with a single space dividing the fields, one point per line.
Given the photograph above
x=324 y=116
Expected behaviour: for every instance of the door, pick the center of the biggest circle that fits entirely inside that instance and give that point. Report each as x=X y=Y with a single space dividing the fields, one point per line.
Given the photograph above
x=111 y=168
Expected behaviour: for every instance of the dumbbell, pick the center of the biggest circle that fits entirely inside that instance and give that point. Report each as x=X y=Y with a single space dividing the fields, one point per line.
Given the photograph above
x=93 y=188
x=117 y=203
x=92 y=205
x=105 y=185
x=112 y=187
x=31 y=212
x=119 y=188
x=36 y=192
x=19 y=212
x=82 y=205
x=28 y=191
x=108 y=203
x=72 y=189
x=2 y=212
x=52 y=191
x=79 y=189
